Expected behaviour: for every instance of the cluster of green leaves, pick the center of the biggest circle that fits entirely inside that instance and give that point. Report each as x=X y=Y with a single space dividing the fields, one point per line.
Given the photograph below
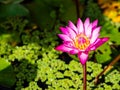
x=41 y=69
x=12 y=29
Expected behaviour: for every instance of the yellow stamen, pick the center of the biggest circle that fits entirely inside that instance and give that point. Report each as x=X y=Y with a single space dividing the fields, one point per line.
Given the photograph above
x=81 y=42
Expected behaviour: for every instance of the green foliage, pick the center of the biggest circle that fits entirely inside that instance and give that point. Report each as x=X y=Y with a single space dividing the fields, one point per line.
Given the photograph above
x=13 y=10
x=65 y=11
x=93 y=11
x=53 y=74
x=107 y=51
x=103 y=54
x=41 y=12
x=112 y=31
x=11 y=1
x=12 y=28
x=10 y=8
x=37 y=65
x=7 y=76
x=46 y=12
x=28 y=60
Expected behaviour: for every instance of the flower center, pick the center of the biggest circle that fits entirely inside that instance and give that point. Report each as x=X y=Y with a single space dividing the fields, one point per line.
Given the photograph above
x=81 y=42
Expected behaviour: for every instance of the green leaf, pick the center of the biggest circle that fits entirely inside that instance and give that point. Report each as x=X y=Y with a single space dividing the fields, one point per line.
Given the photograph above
x=114 y=36
x=7 y=77
x=103 y=53
x=111 y=31
x=10 y=1
x=45 y=12
x=41 y=13
x=5 y=1
x=12 y=10
x=68 y=11
x=3 y=64
x=5 y=38
x=17 y=1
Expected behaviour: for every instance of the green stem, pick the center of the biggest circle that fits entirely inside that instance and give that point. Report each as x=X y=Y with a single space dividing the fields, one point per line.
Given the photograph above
x=84 y=77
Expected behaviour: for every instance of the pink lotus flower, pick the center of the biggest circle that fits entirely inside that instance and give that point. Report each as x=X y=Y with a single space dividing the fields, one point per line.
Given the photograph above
x=81 y=39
